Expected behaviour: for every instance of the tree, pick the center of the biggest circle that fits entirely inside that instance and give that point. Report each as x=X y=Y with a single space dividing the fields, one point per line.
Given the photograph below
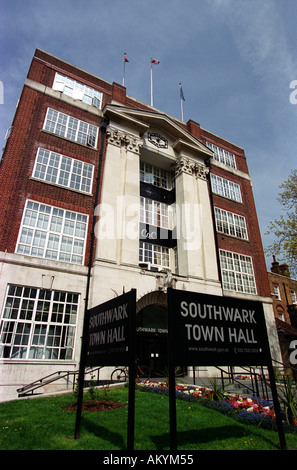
x=285 y=229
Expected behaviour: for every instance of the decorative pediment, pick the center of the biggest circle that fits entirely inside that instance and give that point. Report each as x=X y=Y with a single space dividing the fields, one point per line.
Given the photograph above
x=142 y=121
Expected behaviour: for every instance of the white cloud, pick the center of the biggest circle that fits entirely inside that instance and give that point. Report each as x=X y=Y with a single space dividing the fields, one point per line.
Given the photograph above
x=259 y=34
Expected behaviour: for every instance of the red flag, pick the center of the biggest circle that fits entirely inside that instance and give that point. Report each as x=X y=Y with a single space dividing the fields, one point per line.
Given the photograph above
x=155 y=61
x=125 y=60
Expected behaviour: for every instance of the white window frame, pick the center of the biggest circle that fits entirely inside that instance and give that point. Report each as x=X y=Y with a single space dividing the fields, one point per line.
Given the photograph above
x=281 y=316
x=154 y=213
x=230 y=223
x=77 y=90
x=237 y=272
x=38 y=324
x=293 y=296
x=276 y=291
x=154 y=255
x=225 y=188
x=70 y=128
x=222 y=155
x=154 y=175
x=61 y=170
x=52 y=233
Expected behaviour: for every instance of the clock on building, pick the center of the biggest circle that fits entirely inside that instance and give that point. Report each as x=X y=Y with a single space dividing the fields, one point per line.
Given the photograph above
x=158 y=140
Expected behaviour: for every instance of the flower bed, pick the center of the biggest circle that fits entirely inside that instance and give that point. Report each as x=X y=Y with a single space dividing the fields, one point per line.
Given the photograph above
x=248 y=410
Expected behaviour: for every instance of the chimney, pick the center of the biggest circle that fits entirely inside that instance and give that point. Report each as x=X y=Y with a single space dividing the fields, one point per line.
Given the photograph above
x=282 y=269
x=194 y=128
x=118 y=93
x=274 y=265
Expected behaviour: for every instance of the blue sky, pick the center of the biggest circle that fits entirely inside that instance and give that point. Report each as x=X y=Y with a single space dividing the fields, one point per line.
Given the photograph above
x=236 y=60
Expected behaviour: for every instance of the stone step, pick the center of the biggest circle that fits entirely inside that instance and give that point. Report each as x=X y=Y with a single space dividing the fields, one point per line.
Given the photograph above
x=238 y=389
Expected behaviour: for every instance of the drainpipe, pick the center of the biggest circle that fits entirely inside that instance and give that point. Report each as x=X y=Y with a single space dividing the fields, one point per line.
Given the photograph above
x=207 y=163
x=84 y=343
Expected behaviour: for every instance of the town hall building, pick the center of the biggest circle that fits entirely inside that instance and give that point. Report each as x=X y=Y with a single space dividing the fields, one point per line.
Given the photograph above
x=101 y=193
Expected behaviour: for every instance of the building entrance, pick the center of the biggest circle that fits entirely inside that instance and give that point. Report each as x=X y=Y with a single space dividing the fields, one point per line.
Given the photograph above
x=151 y=338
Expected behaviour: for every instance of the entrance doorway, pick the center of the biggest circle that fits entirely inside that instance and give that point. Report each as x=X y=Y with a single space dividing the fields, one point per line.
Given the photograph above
x=152 y=352
x=151 y=338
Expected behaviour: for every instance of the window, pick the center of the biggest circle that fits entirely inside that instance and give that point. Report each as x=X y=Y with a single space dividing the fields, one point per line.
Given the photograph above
x=276 y=291
x=64 y=171
x=293 y=297
x=237 y=272
x=38 y=324
x=281 y=315
x=154 y=213
x=155 y=176
x=225 y=188
x=52 y=233
x=77 y=90
x=222 y=155
x=70 y=127
x=230 y=223
x=154 y=255
x=176 y=260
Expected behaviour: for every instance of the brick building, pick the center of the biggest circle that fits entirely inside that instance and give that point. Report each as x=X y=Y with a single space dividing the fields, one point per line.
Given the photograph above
x=284 y=294
x=173 y=206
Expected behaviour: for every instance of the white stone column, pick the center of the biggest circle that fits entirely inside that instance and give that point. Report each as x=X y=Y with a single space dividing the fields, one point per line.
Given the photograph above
x=196 y=243
x=117 y=230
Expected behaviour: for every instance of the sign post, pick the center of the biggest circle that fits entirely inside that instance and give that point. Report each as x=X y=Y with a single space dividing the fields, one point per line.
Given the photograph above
x=111 y=340
x=171 y=373
x=212 y=330
x=132 y=371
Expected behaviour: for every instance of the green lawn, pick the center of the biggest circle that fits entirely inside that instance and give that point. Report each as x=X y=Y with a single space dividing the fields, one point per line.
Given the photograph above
x=43 y=424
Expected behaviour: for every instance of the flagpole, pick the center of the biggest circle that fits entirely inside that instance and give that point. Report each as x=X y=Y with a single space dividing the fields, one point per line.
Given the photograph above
x=151 y=83
x=182 y=109
x=125 y=60
x=123 y=81
x=153 y=61
x=181 y=101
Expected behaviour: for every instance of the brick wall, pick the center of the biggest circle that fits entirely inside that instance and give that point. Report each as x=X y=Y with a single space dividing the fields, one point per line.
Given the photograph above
x=253 y=247
x=280 y=277
x=20 y=153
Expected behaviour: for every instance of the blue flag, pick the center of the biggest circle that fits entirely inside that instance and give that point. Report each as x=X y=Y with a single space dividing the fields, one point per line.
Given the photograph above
x=181 y=93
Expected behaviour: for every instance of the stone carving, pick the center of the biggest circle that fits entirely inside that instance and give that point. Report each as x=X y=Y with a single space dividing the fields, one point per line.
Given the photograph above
x=120 y=138
x=165 y=280
x=185 y=165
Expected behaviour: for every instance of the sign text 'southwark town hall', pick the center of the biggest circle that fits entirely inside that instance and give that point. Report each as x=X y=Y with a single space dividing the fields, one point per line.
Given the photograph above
x=114 y=334
x=110 y=331
x=212 y=330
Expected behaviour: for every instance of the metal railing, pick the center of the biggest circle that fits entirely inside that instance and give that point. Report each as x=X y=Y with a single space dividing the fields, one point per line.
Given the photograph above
x=256 y=381
x=253 y=383
x=58 y=375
